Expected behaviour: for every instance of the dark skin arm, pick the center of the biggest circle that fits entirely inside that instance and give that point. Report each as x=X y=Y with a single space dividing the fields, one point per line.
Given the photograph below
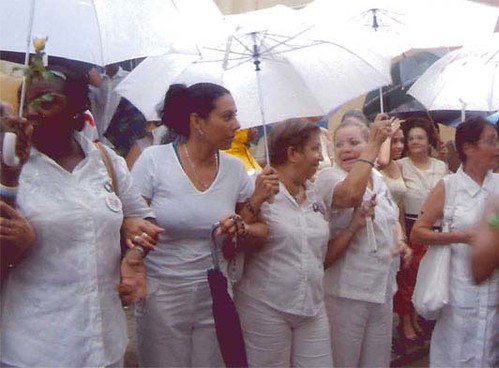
x=17 y=236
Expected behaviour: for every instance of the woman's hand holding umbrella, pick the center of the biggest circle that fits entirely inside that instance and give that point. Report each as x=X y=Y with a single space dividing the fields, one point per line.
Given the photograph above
x=23 y=130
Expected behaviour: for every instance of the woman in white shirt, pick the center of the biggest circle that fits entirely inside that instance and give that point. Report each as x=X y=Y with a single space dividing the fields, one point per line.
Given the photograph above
x=191 y=185
x=360 y=283
x=60 y=306
x=467 y=331
x=280 y=297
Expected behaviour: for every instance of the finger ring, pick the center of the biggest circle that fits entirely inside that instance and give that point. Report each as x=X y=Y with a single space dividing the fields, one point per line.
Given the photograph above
x=144 y=235
x=136 y=238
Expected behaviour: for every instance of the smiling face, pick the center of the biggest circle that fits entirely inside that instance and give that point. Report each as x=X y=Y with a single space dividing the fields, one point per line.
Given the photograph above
x=397 y=145
x=417 y=142
x=348 y=145
x=307 y=160
x=221 y=124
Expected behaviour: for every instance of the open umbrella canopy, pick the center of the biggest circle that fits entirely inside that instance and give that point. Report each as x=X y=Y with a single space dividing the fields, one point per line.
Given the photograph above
x=464 y=79
x=272 y=73
x=394 y=26
x=405 y=71
x=102 y=32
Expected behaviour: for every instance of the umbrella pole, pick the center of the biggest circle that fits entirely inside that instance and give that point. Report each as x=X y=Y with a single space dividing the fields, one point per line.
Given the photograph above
x=381 y=102
x=26 y=56
x=256 y=61
x=463 y=110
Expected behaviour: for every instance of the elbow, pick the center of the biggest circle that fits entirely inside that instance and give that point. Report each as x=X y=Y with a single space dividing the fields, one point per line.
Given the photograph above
x=416 y=236
x=382 y=163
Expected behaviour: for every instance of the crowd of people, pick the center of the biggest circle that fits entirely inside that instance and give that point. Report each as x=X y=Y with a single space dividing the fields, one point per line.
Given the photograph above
x=330 y=252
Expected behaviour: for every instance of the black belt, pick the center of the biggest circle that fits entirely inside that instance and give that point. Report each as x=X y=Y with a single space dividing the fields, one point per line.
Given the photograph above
x=411 y=217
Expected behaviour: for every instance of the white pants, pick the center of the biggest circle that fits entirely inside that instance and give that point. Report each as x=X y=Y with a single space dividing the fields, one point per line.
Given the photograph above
x=277 y=339
x=361 y=332
x=175 y=326
x=466 y=337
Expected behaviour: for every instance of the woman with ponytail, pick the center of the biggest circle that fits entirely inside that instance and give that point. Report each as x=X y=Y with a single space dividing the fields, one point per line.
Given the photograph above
x=191 y=185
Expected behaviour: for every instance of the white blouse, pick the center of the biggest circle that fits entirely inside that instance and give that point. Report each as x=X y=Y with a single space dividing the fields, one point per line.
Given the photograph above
x=468 y=329
x=60 y=306
x=287 y=272
x=362 y=273
x=419 y=182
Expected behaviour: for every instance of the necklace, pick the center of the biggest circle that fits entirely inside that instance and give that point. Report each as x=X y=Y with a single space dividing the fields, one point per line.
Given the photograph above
x=203 y=184
x=296 y=196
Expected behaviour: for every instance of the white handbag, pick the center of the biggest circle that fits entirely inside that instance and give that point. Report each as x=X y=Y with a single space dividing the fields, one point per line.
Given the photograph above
x=432 y=284
x=431 y=293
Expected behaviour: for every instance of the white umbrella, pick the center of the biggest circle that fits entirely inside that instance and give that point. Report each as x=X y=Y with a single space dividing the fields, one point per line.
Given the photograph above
x=464 y=79
x=272 y=76
x=393 y=26
x=297 y=77
x=101 y=32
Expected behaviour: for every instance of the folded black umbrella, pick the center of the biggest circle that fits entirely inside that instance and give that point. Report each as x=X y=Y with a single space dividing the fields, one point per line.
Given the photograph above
x=227 y=324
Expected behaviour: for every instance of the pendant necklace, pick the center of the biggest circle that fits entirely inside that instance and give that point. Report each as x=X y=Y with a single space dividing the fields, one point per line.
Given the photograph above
x=194 y=171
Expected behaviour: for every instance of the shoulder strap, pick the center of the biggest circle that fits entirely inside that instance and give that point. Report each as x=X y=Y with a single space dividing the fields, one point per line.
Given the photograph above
x=450 y=196
x=109 y=166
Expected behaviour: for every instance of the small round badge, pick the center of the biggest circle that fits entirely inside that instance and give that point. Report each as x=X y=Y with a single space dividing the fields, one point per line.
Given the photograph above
x=113 y=202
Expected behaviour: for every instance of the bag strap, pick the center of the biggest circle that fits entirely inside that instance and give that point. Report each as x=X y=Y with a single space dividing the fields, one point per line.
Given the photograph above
x=450 y=196
x=109 y=166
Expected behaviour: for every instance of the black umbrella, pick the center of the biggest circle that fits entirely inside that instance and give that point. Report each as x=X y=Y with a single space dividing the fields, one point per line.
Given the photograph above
x=227 y=324
x=404 y=73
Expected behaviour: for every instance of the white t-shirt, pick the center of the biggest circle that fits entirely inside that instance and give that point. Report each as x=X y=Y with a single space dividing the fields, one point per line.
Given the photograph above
x=60 y=306
x=287 y=273
x=187 y=214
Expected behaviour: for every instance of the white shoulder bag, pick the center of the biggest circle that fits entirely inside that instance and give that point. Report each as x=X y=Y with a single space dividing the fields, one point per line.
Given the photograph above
x=431 y=293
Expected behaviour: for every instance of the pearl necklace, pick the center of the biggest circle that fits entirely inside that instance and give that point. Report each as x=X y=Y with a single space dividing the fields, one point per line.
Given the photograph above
x=194 y=171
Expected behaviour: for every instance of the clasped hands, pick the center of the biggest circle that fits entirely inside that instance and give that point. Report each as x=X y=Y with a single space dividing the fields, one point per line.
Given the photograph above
x=140 y=234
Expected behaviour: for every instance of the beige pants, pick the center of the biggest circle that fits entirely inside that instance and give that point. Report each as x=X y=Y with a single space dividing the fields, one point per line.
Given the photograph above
x=175 y=326
x=361 y=332
x=277 y=339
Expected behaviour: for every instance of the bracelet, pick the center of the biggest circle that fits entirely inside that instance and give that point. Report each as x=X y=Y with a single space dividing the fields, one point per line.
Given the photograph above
x=250 y=207
x=366 y=161
x=8 y=192
x=493 y=220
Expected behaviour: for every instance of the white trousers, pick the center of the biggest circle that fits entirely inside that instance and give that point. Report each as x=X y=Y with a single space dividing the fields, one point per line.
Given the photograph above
x=277 y=339
x=361 y=332
x=175 y=326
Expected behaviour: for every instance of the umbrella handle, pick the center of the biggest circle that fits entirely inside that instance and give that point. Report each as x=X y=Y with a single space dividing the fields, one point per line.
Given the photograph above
x=214 y=246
